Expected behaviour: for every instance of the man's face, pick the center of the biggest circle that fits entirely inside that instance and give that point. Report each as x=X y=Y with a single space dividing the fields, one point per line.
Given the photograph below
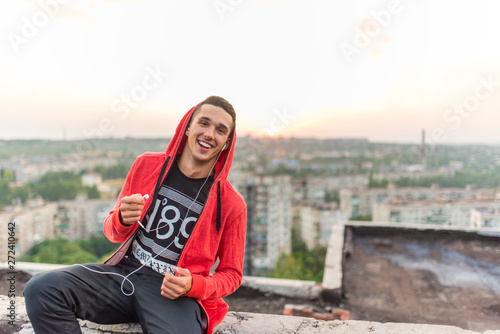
x=208 y=132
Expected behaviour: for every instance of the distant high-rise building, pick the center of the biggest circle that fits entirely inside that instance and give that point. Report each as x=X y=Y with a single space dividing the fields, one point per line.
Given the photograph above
x=467 y=213
x=269 y=219
x=415 y=204
x=315 y=223
x=81 y=219
x=31 y=224
x=485 y=216
x=37 y=220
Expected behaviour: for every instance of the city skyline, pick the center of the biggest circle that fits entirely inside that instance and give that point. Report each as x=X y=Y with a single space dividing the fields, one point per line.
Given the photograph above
x=383 y=70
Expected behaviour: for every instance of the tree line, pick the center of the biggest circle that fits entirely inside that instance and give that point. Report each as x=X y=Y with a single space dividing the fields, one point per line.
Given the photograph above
x=55 y=186
x=64 y=251
x=460 y=179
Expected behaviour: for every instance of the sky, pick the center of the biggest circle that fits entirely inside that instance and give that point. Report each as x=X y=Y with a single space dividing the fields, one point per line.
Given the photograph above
x=380 y=70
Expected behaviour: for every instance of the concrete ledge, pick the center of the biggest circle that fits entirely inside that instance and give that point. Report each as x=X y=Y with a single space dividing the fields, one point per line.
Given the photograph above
x=283 y=287
x=32 y=268
x=332 y=277
x=239 y=323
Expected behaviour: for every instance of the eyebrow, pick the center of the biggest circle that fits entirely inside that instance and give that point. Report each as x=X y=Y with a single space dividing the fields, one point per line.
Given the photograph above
x=205 y=118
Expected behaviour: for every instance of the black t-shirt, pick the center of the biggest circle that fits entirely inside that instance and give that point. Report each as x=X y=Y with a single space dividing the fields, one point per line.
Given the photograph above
x=178 y=206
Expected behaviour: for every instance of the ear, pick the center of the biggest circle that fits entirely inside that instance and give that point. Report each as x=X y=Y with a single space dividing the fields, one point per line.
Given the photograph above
x=226 y=144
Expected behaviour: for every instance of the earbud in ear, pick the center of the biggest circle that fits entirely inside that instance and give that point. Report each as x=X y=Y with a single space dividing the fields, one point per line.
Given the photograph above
x=223 y=147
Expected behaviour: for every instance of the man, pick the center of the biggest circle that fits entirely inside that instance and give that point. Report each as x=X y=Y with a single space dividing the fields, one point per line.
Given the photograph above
x=176 y=216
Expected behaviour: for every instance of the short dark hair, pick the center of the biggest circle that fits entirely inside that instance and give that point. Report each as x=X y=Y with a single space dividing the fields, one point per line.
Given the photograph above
x=221 y=103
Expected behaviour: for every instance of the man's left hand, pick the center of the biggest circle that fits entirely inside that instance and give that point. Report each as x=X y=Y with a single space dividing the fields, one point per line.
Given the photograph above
x=176 y=286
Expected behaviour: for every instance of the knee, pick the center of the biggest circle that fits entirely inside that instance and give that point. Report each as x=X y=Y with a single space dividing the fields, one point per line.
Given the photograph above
x=32 y=287
x=37 y=288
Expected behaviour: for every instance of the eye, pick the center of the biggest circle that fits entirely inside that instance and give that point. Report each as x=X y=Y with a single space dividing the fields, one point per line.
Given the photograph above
x=222 y=131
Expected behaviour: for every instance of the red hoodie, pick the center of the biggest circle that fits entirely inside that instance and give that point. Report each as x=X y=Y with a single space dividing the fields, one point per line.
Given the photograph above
x=219 y=233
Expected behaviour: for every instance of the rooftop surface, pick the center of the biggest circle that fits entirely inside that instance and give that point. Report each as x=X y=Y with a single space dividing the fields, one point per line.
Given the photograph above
x=422 y=276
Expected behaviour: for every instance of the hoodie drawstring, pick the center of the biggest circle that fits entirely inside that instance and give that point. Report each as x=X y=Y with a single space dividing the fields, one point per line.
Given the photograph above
x=217 y=223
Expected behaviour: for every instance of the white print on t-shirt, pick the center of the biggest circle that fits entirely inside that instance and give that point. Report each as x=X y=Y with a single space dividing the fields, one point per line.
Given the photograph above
x=157 y=249
x=146 y=258
x=167 y=230
x=165 y=227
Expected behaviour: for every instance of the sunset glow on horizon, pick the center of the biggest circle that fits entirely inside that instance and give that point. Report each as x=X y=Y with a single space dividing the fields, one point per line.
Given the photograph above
x=381 y=70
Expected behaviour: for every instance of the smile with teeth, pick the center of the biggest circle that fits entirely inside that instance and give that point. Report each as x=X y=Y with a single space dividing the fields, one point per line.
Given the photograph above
x=205 y=145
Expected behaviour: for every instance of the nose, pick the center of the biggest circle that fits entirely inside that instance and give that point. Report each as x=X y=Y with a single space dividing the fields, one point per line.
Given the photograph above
x=209 y=132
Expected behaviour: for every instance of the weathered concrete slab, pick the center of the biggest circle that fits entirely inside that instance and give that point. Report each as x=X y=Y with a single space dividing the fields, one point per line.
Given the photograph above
x=251 y=323
x=284 y=287
x=332 y=277
x=240 y=323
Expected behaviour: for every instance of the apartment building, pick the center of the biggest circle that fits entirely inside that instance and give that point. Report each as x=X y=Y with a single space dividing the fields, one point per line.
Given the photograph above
x=481 y=217
x=459 y=213
x=360 y=201
x=314 y=223
x=315 y=189
x=37 y=220
x=33 y=222
x=79 y=219
x=269 y=219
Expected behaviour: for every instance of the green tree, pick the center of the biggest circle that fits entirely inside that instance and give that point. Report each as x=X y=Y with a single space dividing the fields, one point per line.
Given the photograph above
x=118 y=171
x=46 y=255
x=7 y=175
x=58 y=251
x=23 y=192
x=302 y=264
x=8 y=194
x=93 y=192
x=332 y=196
x=287 y=267
x=97 y=245
x=55 y=186
x=365 y=218
x=5 y=194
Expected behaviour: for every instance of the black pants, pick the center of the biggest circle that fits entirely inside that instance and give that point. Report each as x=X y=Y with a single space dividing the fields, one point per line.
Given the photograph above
x=55 y=299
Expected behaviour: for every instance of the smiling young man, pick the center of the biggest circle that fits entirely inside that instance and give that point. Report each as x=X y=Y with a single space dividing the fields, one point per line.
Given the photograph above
x=207 y=134
x=161 y=274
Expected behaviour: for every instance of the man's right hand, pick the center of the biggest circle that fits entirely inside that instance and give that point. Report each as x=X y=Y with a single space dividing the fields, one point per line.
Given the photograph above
x=131 y=209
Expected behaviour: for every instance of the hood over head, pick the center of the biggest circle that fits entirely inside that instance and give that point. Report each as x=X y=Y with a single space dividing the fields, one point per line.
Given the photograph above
x=178 y=142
